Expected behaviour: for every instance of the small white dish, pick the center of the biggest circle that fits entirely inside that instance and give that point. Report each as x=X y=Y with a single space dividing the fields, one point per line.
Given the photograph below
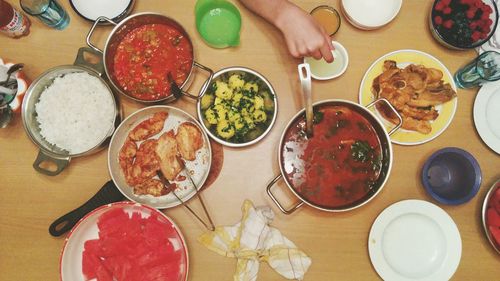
x=370 y=14
x=112 y=9
x=414 y=240
x=486 y=117
x=322 y=70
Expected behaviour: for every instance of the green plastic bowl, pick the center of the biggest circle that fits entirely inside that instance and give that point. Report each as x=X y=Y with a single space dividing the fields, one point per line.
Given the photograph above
x=218 y=22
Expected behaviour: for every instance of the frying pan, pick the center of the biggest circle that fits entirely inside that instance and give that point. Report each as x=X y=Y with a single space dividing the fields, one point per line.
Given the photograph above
x=118 y=189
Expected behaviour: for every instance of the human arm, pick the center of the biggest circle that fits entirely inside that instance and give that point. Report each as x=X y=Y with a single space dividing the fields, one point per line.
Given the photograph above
x=303 y=35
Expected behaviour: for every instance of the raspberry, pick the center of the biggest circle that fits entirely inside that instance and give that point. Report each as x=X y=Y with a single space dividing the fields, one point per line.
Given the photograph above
x=476 y=35
x=448 y=24
x=438 y=20
x=470 y=14
x=446 y=2
x=447 y=11
x=439 y=6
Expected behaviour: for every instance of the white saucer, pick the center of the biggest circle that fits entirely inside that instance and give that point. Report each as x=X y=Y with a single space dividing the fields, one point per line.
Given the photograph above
x=486 y=117
x=414 y=240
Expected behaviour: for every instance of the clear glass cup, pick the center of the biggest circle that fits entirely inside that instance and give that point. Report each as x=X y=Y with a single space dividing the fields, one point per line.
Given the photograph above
x=50 y=12
x=485 y=68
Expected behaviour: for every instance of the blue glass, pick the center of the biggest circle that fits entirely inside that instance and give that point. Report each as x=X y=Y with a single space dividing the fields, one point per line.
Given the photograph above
x=485 y=68
x=50 y=12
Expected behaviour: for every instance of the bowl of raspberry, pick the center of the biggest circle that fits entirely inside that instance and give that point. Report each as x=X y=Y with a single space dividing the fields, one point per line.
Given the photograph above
x=463 y=24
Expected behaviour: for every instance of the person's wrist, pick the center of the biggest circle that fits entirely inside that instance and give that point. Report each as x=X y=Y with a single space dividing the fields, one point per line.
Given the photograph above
x=283 y=10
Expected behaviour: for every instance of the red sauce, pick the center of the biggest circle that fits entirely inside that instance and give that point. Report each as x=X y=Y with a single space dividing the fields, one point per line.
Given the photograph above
x=146 y=55
x=340 y=164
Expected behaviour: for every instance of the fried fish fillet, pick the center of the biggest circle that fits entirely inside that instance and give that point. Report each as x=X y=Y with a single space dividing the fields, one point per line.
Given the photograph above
x=167 y=153
x=126 y=158
x=189 y=140
x=146 y=162
x=149 y=127
x=151 y=186
x=413 y=91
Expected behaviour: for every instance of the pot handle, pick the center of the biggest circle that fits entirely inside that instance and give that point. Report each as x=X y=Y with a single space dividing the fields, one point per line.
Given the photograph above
x=91 y=31
x=108 y=193
x=393 y=130
x=205 y=85
x=60 y=162
x=282 y=209
x=81 y=61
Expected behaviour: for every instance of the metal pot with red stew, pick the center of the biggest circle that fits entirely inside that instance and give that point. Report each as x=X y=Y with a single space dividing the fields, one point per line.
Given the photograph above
x=149 y=58
x=343 y=165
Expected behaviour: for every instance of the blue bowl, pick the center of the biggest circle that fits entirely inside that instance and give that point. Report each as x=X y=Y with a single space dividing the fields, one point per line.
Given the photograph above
x=451 y=176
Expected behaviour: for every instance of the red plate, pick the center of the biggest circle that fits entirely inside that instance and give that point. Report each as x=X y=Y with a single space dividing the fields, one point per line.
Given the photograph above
x=70 y=264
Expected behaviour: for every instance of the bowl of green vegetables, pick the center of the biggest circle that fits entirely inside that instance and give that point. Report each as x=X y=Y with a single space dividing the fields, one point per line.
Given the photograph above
x=239 y=107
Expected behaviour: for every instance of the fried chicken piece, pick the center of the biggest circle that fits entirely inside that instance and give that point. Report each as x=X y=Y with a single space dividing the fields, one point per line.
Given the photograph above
x=167 y=153
x=146 y=162
x=151 y=186
x=421 y=126
x=189 y=140
x=126 y=158
x=149 y=127
x=433 y=96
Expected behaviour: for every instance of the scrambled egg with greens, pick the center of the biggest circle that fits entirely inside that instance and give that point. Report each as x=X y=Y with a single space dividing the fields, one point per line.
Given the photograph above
x=238 y=107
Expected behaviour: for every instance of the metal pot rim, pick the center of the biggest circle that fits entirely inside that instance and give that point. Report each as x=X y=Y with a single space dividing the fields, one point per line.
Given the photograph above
x=275 y=115
x=378 y=122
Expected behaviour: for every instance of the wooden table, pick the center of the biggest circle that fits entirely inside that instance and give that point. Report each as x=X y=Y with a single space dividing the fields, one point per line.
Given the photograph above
x=336 y=242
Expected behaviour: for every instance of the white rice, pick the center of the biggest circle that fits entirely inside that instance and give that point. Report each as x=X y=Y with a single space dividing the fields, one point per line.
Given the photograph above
x=76 y=112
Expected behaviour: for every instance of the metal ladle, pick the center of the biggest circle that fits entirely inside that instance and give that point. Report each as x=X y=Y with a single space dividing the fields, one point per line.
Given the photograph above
x=13 y=68
x=305 y=81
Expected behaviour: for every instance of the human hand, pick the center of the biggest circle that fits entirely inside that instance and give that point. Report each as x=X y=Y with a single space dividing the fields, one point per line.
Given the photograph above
x=303 y=35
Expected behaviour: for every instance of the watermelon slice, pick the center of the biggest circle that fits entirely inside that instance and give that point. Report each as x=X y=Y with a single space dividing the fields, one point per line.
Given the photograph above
x=495 y=233
x=492 y=217
x=131 y=248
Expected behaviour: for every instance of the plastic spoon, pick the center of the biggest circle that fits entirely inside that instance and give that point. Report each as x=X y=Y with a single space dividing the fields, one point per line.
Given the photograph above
x=305 y=81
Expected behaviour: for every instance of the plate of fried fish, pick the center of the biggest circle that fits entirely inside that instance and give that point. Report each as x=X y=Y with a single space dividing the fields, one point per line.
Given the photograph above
x=159 y=140
x=419 y=87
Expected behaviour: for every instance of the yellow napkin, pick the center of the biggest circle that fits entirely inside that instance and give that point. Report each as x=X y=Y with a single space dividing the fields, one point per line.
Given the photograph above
x=252 y=240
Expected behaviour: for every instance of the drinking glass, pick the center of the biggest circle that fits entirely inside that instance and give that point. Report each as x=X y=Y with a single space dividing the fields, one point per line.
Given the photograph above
x=50 y=12
x=485 y=68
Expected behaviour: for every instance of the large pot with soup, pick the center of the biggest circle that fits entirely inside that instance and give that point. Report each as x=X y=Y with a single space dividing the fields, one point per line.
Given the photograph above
x=343 y=166
x=145 y=54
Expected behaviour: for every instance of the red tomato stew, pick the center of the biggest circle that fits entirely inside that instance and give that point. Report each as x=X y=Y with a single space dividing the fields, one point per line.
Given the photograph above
x=146 y=55
x=340 y=165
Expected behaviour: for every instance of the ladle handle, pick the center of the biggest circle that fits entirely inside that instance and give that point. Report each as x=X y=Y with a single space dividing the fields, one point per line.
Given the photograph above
x=91 y=31
x=60 y=162
x=400 y=119
x=275 y=200
x=305 y=81
x=205 y=86
x=109 y=193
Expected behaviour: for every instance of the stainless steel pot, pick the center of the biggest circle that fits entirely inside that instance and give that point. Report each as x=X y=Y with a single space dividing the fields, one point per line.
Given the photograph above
x=126 y=26
x=48 y=152
x=387 y=156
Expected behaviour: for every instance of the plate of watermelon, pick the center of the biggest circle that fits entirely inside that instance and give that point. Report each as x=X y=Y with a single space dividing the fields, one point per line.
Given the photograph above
x=491 y=216
x=125 y=241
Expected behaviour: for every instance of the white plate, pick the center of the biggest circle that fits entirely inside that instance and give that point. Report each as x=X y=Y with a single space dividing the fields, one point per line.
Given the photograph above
x=486 y=117
x=70 y=263
x=414 y=240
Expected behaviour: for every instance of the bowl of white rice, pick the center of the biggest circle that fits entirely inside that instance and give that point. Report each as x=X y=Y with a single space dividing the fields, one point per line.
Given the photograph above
x=68 y=111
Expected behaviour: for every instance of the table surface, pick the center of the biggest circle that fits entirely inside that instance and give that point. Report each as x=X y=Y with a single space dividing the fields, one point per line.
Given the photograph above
x=336 y=242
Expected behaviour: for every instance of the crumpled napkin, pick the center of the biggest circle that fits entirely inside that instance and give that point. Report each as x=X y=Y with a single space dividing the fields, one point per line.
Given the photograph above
x=252 y=240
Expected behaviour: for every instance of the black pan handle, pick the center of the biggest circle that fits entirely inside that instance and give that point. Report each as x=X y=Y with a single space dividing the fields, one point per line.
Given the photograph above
x=109 y=193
